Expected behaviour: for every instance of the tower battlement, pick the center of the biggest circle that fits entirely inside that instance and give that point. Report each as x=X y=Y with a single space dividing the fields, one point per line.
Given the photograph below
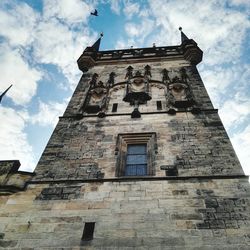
x=188 y=50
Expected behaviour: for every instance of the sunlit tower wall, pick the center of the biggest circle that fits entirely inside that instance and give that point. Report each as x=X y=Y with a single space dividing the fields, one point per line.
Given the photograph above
x=139 y=160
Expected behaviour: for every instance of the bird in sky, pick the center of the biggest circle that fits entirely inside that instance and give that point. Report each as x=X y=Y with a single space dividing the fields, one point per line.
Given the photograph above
x=95 y=13
x=1 y=96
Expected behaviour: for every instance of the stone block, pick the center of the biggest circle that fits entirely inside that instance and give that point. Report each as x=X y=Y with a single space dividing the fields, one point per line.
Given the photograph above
x=8 y=243
x=95 y=196
x=217 y=224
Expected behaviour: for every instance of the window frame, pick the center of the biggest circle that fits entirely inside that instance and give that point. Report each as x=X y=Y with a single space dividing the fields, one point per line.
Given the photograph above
x=123 y=140
x=137 y=166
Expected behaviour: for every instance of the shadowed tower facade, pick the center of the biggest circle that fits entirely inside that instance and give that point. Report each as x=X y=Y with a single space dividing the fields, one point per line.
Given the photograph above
x=139 y=160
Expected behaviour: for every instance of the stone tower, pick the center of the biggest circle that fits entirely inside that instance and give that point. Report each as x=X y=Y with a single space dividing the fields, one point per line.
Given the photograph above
x=139 y=160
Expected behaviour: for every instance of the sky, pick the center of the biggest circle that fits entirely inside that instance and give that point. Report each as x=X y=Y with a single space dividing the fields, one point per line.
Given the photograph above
x=40 y=41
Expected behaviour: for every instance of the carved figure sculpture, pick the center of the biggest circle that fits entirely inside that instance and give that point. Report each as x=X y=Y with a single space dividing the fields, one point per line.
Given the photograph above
x=111 y=80
x=129 y=73
x=184 y=76
x=165 y=76
x=147 y=72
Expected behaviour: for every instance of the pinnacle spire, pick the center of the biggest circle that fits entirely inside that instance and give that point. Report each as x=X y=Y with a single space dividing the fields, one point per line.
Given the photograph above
x=1 y=96
x=183 y=36
x=96 y=45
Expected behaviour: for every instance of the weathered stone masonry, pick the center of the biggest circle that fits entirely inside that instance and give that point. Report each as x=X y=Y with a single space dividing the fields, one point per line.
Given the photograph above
x=194 y=194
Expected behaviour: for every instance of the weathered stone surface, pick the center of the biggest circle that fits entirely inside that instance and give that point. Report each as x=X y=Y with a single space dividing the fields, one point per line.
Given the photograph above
x=119 y=219
x=11 y=179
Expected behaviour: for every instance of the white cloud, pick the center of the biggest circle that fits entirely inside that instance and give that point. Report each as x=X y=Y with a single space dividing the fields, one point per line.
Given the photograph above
x=48 y=113
x=217 y=30
x=72 y=11
x=245 y=3
x=217 y=80
x=55 y=43
x=29 y=39
x=115 y=6
x=122 y=44
x=234 y=113
x=15 y=70
x=130 y=9
x=17 y=23
x=140 y=30
x=226 y=82
x=13 y=139
x=241 y=143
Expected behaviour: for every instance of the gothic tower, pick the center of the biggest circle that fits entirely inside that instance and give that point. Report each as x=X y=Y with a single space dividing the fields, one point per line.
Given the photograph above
x=139 y=160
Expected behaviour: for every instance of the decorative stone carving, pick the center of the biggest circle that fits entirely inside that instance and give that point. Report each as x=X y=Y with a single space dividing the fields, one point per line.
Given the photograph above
x=97 y=97
x=165 y=76
x=93 y=80
x=147 y=72
x=129 y=73
x=184 y=76
x=179 y=93
x=111 y=80
x=137 y=90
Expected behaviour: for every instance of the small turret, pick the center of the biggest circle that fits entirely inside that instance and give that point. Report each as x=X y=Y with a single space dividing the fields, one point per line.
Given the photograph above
x=184 y=38
x=87 y=59
x=191 y=50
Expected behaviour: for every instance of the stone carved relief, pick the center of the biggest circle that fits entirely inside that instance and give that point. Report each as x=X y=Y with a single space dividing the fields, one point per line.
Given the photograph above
x=179 y=94
x=147 y=72
x=137 y=89
x=137 y=83
x=111 y=80
x=165 y=76
x=97 y=96
x=137 y=86
x=129 y=73
x=184 y=76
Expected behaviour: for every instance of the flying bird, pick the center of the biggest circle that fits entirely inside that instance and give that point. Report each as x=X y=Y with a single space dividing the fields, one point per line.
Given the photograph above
x=95 y=13
x=1 y=96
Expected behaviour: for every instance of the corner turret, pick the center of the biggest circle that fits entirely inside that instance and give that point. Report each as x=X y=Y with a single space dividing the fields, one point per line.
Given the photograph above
x=87 y=59
x=190 y=48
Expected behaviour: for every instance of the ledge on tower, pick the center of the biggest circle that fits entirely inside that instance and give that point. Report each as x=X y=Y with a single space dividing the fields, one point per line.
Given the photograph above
x=11 y=179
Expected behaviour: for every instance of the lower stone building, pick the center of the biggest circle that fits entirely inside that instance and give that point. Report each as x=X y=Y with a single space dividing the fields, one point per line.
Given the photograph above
x=139 y=160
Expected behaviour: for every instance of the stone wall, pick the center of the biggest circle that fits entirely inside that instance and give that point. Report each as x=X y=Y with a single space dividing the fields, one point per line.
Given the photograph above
x=195 y=144
x=194 y=213
x=83 y=146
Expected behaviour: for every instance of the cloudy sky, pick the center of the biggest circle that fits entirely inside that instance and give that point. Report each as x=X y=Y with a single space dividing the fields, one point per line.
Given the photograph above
x=40 y=41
